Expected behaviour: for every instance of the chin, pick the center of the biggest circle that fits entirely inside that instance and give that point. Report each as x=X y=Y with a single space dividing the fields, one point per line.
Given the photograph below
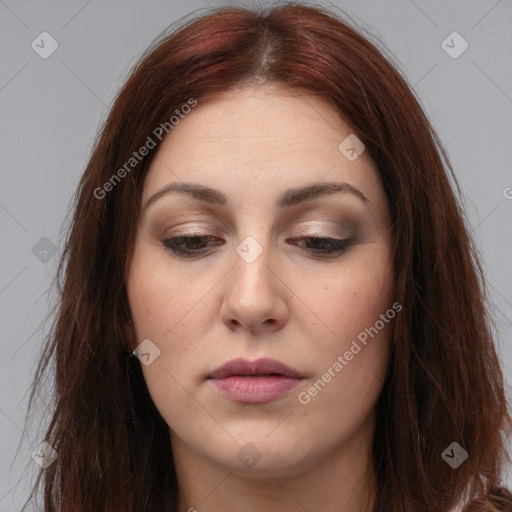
x=258 y=453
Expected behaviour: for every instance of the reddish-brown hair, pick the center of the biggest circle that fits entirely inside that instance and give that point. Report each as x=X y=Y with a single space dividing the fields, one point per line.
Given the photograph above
x=444 y=382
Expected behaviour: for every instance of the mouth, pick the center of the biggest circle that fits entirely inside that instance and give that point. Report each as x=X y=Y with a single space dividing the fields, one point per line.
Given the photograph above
x=261 y=367
x=259 y=381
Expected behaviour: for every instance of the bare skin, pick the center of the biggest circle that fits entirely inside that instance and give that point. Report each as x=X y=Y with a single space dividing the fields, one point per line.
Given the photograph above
x=307 y=450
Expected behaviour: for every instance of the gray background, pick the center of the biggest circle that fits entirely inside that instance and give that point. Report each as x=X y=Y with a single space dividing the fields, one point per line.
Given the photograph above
x=51 y=108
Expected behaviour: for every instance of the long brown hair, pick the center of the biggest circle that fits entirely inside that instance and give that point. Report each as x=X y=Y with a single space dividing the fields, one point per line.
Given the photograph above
x=444 y=382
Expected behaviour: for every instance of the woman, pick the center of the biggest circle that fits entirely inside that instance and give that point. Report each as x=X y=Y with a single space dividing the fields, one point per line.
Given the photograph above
x=269 y=297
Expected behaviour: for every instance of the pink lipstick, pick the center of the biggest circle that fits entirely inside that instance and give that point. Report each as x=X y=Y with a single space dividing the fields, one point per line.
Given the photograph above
x=254 y=382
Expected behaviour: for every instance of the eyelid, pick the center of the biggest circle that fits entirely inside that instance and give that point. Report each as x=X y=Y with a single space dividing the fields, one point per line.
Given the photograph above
x=208 y=230
x=342 y=230
x=316 y=232
x=334 y=226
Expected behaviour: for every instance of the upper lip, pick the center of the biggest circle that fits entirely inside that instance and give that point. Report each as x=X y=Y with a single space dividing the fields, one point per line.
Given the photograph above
x=264 y=366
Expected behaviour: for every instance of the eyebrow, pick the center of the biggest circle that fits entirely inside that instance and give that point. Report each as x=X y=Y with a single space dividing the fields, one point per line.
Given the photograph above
x=286 y=199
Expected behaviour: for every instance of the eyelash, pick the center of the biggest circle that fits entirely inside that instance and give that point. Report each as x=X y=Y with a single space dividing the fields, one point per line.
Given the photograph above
x=175 y=245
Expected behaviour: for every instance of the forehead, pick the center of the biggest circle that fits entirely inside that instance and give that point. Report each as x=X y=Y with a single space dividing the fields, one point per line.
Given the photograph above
x=255 y=141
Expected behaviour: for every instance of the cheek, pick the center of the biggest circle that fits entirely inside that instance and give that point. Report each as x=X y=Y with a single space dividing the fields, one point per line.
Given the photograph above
x=352 y=296
x=351 y=365
x=163 y=298
x=169 y=308
x=351 y=358
x=163 y=307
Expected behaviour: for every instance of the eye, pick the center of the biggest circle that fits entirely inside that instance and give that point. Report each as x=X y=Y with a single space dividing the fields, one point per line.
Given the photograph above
x=325 y=246
x=188 y=246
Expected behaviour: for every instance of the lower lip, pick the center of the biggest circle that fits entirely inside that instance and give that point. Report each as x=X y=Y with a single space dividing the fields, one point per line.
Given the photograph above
x=254 y=390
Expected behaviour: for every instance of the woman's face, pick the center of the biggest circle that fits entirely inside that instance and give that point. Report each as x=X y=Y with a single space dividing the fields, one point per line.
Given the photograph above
x=256 y=284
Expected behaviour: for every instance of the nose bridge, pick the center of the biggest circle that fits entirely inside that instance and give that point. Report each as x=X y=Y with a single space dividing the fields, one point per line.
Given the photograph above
x=251 y=264
x=253 y=296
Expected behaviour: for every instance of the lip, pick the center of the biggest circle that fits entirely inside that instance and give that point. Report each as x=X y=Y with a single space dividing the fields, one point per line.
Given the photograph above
x=254 y=382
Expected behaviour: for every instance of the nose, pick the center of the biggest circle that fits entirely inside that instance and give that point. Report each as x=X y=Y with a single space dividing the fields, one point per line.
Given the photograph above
x=255 y=295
